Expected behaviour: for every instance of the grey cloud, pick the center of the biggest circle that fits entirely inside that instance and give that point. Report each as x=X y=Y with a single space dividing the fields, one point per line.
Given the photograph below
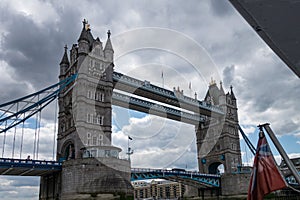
x=34 y=50
x=228 y=74
x=220 y=8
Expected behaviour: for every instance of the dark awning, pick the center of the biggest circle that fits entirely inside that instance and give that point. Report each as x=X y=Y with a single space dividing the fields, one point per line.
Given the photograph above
x=277 y=23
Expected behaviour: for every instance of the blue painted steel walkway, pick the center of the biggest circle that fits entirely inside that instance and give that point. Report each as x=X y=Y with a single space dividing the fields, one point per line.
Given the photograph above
x=205 y=180
x=25 y=167
x=156 y=109
x=145 y=89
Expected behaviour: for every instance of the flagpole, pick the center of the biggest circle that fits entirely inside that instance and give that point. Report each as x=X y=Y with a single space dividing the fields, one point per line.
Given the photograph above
x=162 y=77
x=129 y=152
x=281 y=151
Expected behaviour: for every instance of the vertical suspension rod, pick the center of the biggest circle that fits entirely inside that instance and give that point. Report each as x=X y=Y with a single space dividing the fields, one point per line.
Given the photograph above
x=35 y=133
x=4 y=138
x=14 y=140
x=22 y=137
x=54 y=132
x=38 y=135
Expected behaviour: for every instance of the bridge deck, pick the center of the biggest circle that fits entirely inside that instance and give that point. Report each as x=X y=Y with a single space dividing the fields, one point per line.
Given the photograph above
x=24 y=167
x=189 y=178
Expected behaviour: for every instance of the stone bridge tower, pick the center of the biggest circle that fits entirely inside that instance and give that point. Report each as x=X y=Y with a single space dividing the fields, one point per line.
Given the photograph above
x=218 y=139
x=91 y=166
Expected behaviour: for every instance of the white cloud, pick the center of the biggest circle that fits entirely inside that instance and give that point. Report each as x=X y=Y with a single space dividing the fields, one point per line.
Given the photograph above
x=39 y=11
x=158 y=142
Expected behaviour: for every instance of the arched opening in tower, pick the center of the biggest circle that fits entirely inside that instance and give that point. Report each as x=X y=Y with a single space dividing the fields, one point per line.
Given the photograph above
x=216 y=168
x=69 y=151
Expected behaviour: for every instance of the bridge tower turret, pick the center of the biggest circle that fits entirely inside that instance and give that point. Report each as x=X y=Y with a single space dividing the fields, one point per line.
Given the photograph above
x=108 y=49
x=64 y=64
x=218 y=139
x=91 y=165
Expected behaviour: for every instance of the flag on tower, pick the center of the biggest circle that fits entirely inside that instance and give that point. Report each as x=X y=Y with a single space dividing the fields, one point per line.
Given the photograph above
x=162 y=78
x=190 y=85
x=265 y=176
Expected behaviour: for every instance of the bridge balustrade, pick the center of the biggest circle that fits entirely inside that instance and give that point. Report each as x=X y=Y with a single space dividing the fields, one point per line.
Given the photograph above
x=27 y=167
x=41 y=163
x=208 y=180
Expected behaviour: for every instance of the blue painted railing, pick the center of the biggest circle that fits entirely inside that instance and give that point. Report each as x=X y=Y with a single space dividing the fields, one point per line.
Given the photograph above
x=209 y=180
x=27 y=163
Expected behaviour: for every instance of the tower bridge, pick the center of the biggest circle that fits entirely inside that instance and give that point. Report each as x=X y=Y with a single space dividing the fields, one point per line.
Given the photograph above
x=87 y=164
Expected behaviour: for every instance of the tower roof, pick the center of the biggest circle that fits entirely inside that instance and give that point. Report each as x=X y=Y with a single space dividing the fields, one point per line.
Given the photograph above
x=84 y=32
x=213 y=93
x=221 y=88
x=65 y=59
x=108 y=45
x=232 y=94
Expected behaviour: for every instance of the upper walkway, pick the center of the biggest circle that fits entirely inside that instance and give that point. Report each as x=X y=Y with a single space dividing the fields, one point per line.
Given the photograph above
x=150 y=91
x=155 y=109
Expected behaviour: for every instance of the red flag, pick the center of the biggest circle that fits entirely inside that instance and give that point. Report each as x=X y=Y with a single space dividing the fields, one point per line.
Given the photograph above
x=265 y=176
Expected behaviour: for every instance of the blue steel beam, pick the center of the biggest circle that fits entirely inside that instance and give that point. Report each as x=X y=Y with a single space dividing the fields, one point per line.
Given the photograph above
x=25 y=167
x=207 y=180
x=145 y=89
x=15 y=117
x=156 y=109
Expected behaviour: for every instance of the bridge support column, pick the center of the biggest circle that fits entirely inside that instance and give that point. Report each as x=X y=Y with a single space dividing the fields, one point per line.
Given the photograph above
x=101 y=178
x=50 y=187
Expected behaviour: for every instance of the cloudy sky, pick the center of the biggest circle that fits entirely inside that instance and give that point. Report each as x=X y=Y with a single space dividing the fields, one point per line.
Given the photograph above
x=189 y=41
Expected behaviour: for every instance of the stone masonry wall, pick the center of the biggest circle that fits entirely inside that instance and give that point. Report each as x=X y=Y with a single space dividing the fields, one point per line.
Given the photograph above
x=95 y=176
x=235 y=184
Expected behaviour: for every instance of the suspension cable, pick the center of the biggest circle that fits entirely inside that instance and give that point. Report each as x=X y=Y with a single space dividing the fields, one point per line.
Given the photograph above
x=248 y=142
x=38 y=135
x=21 y=148
x=54 y=132
x=14 y=140
x=35 y=132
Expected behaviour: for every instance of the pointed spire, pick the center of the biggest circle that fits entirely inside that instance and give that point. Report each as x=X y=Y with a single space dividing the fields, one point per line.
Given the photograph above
x=232 y=94
x=108 y=45
x=212 y=82
x=108 y=33
x=65 y=59
x=84 y=32
x=221 y=88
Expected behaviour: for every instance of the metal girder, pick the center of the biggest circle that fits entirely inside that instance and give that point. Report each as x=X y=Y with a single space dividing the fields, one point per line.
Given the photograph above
x=150 y=91
x=205 y=180
x=138 y=104
x=19 y=110
x=24 y=167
